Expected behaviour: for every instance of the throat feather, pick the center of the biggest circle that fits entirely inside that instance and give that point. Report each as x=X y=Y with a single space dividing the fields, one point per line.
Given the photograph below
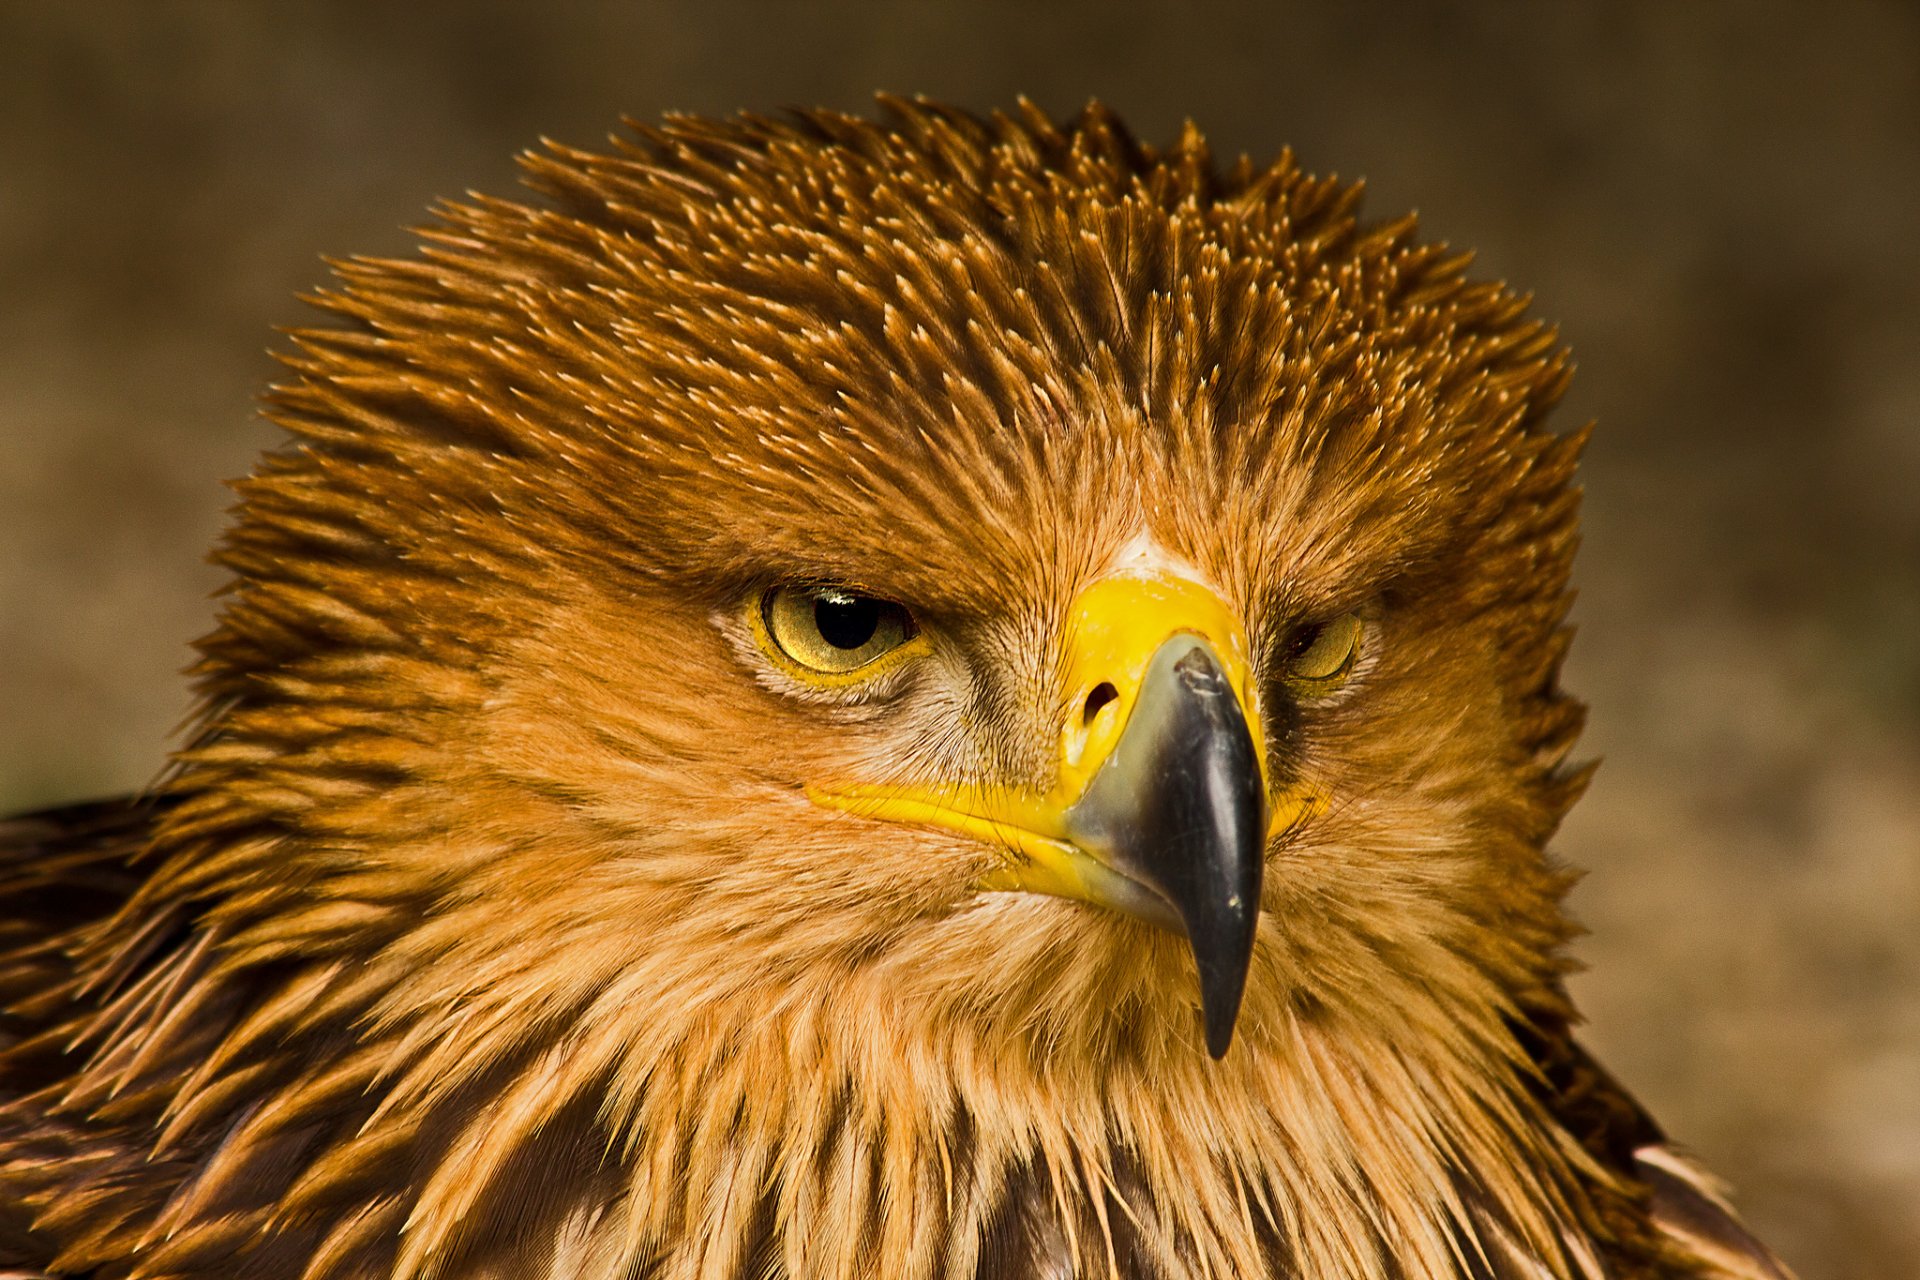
x=1309 y=1164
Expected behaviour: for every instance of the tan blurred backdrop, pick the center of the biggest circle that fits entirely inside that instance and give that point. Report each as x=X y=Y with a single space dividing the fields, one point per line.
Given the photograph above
x=1720 y=203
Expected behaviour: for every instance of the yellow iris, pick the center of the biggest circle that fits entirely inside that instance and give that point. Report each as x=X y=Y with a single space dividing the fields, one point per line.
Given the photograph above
x=830 y=635
x=1326 y=652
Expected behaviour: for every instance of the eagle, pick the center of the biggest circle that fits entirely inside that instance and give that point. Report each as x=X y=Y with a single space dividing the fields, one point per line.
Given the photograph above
x=922 y=695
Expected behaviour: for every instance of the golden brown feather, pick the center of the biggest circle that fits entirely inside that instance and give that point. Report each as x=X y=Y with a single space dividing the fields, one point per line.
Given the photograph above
x=487 y=928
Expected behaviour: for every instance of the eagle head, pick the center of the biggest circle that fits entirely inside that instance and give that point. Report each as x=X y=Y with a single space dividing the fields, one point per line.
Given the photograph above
x=909 y=689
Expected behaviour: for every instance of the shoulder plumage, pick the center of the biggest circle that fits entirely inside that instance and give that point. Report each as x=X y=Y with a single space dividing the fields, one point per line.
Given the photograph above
x=1690 y=1208
x=1680 y=1209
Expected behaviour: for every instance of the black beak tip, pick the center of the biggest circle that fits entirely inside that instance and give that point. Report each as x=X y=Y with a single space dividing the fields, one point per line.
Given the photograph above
x=1219 y=1034
x=1221 y=988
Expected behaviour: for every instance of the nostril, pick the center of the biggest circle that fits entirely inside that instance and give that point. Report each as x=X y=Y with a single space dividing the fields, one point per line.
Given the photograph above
x=1102 y=694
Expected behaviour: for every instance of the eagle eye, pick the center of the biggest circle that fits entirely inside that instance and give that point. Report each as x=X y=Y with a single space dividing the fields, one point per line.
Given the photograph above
x=830 y=631
x=1322 y=652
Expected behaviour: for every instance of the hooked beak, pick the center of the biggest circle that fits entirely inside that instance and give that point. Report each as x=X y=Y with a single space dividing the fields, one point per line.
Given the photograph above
x=1161 y=807
x=1180 y=808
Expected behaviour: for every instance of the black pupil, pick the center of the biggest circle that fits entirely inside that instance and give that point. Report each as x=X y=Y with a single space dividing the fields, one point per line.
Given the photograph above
x=846 y=622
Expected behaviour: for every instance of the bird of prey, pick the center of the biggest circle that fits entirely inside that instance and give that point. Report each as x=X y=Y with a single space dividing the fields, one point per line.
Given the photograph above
x=915 y=697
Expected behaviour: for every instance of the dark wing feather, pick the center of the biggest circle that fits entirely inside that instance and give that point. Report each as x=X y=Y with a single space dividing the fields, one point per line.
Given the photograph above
x=61 y=871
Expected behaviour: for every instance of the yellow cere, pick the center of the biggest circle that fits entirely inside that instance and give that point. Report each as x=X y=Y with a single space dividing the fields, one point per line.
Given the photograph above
x=1119 y=623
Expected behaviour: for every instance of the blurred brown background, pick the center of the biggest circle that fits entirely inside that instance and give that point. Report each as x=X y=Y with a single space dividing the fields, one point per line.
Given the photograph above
x=1720 y=202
